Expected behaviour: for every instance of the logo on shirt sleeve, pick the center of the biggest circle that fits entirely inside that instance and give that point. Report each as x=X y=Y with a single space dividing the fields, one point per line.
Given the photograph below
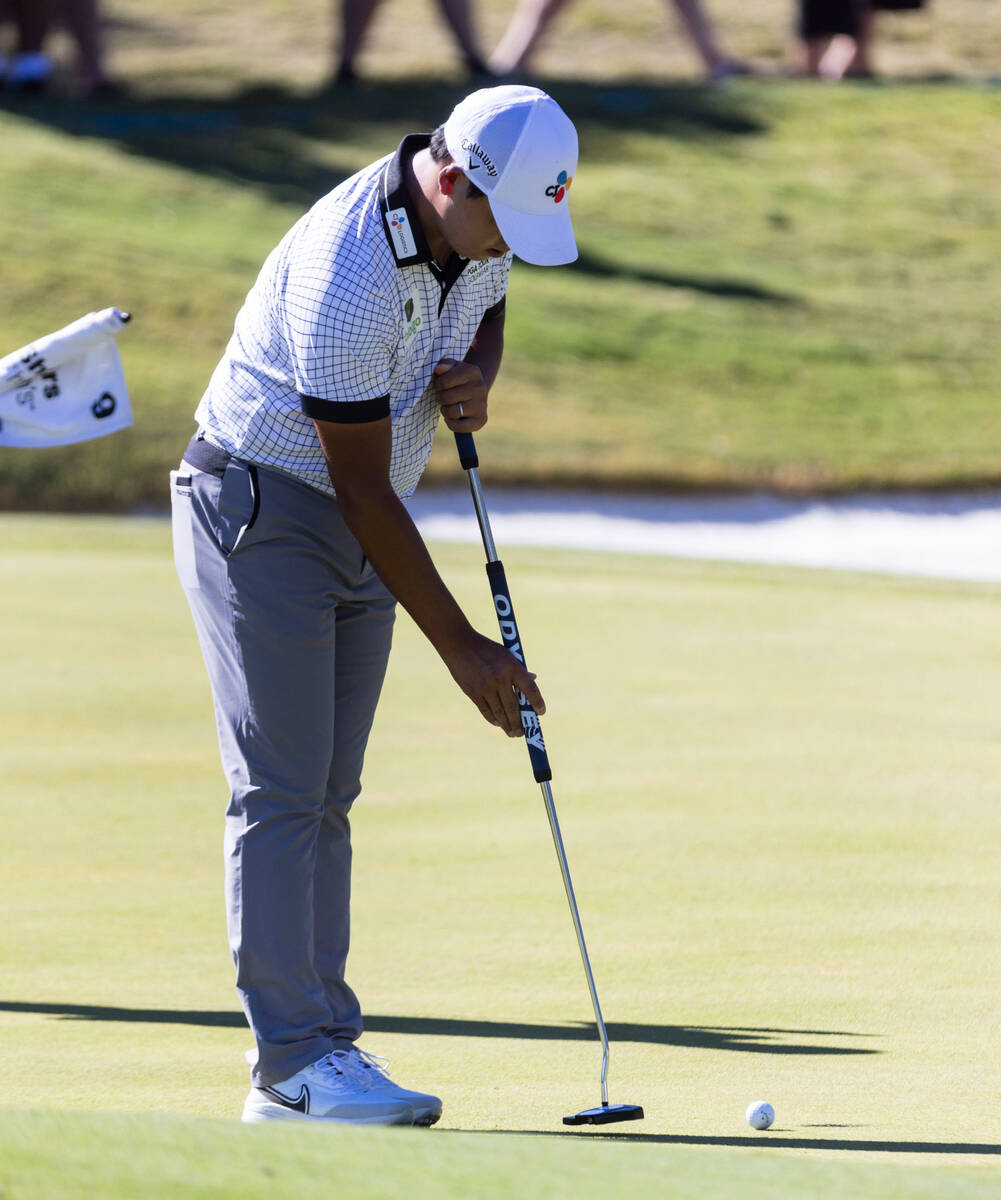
x=412 y=313
x=402 y=234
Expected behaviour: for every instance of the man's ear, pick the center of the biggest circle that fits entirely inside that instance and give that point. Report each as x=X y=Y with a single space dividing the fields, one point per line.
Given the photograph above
x=447 y=179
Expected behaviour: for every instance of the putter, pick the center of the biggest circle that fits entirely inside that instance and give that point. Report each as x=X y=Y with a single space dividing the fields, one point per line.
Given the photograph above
x=606 y=1113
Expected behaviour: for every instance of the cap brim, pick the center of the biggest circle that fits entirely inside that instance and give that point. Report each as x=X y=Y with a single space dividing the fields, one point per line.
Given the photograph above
x=545 y=241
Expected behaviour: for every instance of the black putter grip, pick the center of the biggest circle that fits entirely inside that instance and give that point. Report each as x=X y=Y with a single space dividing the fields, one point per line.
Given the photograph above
x=512 y=640
x=467 y=451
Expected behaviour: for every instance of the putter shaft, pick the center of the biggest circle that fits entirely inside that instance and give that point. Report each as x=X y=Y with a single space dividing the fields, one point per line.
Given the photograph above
x=554 y=825
x=547 y=792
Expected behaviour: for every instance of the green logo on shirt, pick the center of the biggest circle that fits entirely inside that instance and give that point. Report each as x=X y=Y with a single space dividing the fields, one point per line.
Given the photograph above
x=413 y=321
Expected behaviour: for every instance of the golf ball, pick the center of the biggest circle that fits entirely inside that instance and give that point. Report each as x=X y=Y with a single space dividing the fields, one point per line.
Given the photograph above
x=760 y=1114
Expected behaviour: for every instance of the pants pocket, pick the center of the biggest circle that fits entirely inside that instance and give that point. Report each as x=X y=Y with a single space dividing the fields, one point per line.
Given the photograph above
x=182 y=520
x=239 y=504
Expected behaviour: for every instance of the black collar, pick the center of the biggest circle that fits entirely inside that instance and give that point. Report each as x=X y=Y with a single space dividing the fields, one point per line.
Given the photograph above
x=400 y=220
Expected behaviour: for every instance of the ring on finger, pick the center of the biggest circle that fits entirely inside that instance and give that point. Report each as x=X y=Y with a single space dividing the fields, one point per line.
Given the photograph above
x=461 y=413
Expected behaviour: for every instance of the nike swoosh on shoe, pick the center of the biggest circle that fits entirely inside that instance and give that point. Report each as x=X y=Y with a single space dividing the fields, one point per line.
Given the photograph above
x=299 y=1104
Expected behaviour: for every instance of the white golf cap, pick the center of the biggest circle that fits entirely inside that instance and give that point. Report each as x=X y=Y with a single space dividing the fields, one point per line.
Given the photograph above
x=520 y=149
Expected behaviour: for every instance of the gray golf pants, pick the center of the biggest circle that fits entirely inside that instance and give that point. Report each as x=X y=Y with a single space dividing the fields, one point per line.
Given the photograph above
x=295 y=628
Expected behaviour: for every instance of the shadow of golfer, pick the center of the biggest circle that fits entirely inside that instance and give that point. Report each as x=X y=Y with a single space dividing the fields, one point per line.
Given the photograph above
x=746 y=1040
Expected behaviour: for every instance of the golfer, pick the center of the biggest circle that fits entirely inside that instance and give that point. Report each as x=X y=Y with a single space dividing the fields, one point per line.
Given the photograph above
x=380 y=311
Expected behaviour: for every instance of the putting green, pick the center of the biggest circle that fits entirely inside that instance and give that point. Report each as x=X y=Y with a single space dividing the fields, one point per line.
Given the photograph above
x=778 y=795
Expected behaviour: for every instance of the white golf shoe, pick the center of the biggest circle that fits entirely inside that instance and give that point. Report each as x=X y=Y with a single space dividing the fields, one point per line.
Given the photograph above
x=327 y=1091
x=371 y=1072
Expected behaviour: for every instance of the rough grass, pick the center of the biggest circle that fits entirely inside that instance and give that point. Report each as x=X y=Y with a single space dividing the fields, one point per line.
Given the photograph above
x=780 y=285
x=189 y=46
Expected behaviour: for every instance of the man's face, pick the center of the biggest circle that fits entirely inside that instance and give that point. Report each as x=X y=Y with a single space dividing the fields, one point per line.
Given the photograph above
x=468 y=225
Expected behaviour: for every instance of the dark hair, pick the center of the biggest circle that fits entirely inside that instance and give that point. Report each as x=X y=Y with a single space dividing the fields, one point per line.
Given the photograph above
x=439 y=153
x=439 y=147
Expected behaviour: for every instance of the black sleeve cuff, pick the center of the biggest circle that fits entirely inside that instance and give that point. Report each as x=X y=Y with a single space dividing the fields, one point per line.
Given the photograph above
x=495 y=310
x=345 y=412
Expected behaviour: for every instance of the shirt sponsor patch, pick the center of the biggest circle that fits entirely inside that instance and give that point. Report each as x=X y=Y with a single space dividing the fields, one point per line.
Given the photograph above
x=403 y=235
x=412 y=313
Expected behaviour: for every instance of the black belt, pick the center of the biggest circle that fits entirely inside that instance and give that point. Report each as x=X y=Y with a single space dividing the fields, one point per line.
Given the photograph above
x=206 y=457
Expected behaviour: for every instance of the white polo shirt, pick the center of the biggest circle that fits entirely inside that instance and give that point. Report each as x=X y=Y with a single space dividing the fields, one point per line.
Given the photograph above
x=346 y=322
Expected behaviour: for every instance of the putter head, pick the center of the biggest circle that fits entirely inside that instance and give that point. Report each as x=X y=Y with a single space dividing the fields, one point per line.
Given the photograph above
x=606 y=1114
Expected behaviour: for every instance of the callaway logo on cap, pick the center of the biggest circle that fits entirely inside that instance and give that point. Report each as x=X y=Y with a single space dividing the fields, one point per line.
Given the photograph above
x=520 y=148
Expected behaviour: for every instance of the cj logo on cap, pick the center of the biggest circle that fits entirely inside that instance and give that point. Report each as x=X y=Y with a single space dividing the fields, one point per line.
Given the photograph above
x=560 y=188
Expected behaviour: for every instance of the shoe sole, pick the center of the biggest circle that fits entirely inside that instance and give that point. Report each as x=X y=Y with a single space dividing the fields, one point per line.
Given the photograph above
x=425 y=1113
x=277 y=1112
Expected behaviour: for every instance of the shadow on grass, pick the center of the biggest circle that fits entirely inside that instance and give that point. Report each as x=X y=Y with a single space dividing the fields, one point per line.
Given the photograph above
x=752 y=1040
x=767 y=1142
x=295 y=147
x=755 y=1041
x=150 y=126
x=726 y=289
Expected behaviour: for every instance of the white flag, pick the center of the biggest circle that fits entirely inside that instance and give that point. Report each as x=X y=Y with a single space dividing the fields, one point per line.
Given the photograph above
x=66 y=387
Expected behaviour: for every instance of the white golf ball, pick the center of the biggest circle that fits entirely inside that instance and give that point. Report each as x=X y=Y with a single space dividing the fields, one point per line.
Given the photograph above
x=760 y=1114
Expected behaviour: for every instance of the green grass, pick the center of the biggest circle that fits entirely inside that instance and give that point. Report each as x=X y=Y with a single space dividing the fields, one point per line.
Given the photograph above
x=778 y=795
x=48 y=1156
x=781 y=285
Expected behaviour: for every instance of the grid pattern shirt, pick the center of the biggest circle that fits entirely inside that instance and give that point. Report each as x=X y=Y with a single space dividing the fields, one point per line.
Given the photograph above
x=346 y=322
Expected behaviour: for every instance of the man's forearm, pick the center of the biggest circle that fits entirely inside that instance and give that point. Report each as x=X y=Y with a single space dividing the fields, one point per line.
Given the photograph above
x=488 y=349
x=358 y=458
x=392 y=543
